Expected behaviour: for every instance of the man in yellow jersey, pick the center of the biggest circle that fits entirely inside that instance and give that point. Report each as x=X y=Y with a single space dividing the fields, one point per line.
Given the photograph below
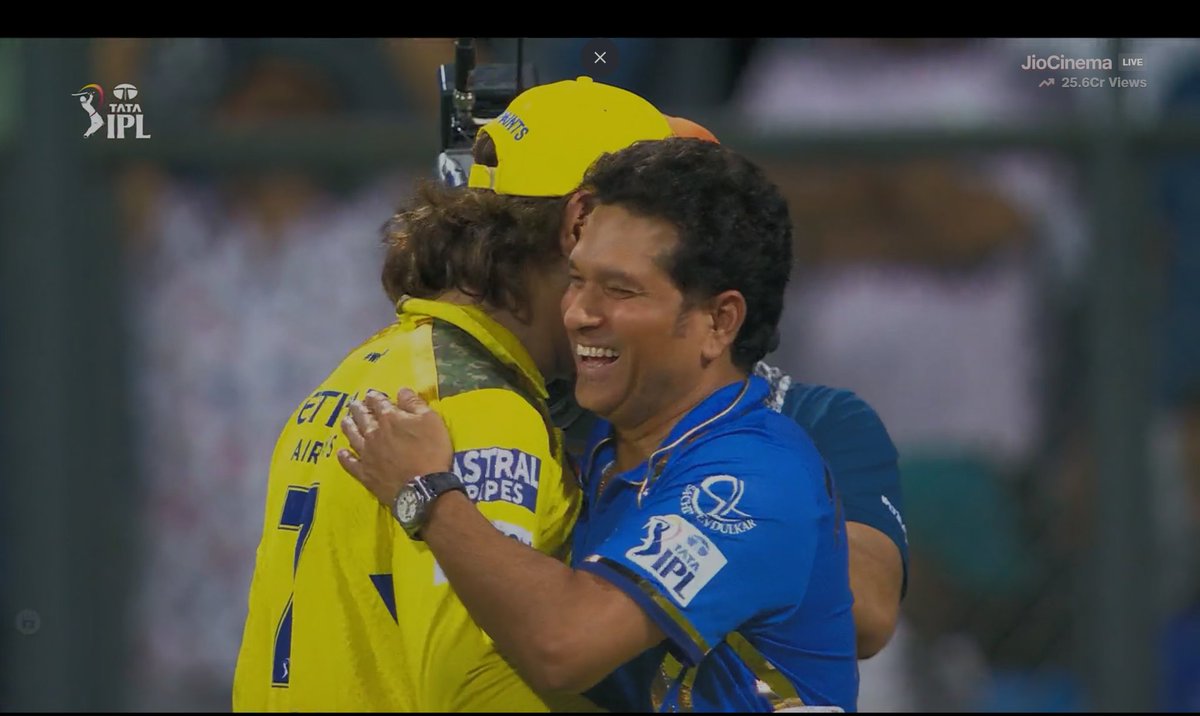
x=477 y=277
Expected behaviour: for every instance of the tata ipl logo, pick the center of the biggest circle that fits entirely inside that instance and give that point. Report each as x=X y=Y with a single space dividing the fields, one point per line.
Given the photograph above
x=118 y=117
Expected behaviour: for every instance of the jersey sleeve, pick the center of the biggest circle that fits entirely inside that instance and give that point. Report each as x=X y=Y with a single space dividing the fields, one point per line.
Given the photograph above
x=861 y=456
x=510 y=464
x=717 y=543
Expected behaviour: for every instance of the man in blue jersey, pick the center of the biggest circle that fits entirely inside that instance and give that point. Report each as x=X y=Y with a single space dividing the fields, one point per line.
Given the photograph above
x=858 y=451
x=713 y=549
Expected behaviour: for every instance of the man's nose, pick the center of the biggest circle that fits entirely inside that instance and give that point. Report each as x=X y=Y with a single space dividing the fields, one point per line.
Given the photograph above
x=579 y=309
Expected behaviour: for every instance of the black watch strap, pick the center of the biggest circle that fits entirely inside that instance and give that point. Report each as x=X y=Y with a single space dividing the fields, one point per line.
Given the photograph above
x=439 y=483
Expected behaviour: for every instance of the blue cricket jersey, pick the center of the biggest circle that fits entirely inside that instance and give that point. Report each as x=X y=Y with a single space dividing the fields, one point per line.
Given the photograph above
x=731 y=538
x=859 y=452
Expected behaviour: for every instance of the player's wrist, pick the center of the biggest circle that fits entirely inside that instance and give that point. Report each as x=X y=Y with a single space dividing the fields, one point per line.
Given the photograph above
x=441 y=513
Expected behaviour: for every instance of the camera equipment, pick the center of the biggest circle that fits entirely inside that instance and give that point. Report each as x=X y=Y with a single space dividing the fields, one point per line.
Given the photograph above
x=472 y=96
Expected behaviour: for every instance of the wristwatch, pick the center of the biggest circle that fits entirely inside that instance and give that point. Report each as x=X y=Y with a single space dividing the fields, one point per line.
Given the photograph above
x=411 y=507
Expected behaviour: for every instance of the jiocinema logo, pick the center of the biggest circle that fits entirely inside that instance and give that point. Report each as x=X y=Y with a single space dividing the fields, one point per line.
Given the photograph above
x=1062 y=62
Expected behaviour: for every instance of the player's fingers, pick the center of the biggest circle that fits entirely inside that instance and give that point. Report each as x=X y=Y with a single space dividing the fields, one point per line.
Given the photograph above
x=350 y=430
x=350 y=463
x=378 y=403
x=409 y=401
x=362 y=417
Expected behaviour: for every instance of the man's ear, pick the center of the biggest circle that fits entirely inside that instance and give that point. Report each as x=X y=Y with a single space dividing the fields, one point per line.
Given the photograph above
x=726 y=314
x=579 y=205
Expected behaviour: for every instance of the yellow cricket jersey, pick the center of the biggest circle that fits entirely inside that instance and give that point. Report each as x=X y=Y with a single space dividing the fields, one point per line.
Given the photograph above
x=346 y=612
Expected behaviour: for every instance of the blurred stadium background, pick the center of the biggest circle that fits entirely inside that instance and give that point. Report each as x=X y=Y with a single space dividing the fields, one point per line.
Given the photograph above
x=1008 y=272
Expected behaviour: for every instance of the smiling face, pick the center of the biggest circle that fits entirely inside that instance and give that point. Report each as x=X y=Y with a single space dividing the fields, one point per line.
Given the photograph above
x=638 y=348
x=676 y=283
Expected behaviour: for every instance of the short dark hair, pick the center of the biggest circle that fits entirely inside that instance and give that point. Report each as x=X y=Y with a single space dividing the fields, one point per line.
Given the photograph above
x=733 y=225
x=473 y=240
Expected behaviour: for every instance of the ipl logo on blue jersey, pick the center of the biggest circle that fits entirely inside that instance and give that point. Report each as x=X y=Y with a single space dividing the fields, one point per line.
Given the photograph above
x=677 y=556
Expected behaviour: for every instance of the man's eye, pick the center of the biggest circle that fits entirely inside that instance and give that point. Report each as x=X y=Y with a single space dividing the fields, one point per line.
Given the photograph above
x=619 y=292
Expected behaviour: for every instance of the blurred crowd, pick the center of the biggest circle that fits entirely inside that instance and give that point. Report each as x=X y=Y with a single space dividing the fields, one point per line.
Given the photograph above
x=947 y=290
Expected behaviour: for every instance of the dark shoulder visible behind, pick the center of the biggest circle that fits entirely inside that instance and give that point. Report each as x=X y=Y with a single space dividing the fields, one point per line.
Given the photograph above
x=464 y=364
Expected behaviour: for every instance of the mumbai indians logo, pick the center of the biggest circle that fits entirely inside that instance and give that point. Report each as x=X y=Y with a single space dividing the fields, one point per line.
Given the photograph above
x=714 y=504
x=122 y=115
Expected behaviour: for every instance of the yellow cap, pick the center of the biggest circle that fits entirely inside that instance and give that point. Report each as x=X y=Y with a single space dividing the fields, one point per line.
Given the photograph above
x=551 y=134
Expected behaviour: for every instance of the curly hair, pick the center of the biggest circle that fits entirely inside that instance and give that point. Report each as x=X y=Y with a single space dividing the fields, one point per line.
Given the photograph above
x=472 y=240
x=733 y=226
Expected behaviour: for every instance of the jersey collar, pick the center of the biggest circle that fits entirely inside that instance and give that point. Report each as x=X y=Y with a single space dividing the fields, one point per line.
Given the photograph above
x=721 y=406
x=483 y=328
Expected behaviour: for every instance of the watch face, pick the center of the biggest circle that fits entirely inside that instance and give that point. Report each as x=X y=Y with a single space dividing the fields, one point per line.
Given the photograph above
x=407 y=505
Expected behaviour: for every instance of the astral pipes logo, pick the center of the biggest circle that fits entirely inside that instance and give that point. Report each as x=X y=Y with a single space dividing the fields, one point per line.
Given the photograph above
x=121 y=116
